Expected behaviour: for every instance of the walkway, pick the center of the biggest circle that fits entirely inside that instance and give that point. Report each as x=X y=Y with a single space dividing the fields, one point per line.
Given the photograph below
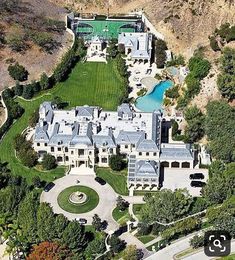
x=180 y=245
x=107 y=199
x=168 y=252
x=132 y=240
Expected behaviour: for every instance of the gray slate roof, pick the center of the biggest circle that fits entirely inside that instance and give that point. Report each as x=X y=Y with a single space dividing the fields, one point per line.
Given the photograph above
x=124 y=109
x=147 y=168
x=103 y=139
x=176 y=154
x=126 y=137
x=147 y=145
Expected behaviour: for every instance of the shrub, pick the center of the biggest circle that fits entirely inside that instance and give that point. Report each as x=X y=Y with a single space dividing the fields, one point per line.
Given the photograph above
x=176 y=61
x=16 y=41
x=214 y=44
x=197 y=241
x=166 y=102
x=142 y=92
x=121 y=203
x=172 y=92
x=18 y=72
x=48 y=162
x=199 y=67
x=36 y=181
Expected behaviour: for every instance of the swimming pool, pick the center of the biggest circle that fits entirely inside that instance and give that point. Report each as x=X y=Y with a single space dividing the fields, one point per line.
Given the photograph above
x=153 y=100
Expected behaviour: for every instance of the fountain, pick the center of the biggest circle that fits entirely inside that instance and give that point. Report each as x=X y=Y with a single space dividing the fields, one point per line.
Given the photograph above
x=77 y=197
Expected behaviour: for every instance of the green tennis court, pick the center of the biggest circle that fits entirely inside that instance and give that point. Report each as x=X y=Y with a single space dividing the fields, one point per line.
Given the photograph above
x=107 y=29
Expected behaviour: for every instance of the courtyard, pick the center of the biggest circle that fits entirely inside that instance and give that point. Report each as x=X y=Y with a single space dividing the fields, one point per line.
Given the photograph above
x=104 y=207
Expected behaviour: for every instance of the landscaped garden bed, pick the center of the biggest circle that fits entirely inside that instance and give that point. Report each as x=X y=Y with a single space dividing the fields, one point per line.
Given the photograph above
x=90 y=201
x=121 y=216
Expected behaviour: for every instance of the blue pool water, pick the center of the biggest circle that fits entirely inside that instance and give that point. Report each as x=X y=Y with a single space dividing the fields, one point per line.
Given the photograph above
x=154 y=100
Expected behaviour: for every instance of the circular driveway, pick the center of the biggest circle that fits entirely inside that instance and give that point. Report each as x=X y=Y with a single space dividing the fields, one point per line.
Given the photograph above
x=107 y=199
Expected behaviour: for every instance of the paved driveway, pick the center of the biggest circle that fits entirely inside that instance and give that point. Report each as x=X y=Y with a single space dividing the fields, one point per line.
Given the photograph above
x=175 y=178
x=107 y=199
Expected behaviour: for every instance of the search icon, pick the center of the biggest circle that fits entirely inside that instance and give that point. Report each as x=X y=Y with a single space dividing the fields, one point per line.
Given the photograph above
x=217 y=243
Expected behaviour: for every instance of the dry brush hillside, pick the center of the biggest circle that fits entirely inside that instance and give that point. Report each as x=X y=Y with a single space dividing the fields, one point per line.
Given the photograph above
x=22 y=17
x=186 y=24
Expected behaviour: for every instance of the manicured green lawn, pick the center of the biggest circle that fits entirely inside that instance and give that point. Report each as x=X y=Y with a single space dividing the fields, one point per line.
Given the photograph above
x=88 y=83
x=146 y=239
x=136 y=209
x=90 y=203
x=142 y=193
x=121 y=216
x=117 y=180
x=92 y=84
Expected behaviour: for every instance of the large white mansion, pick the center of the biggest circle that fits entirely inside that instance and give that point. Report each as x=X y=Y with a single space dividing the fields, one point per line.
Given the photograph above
x=88 y=136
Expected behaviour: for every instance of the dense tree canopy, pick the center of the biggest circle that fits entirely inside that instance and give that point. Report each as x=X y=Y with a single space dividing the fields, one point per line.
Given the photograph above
x=226 y=79
x=95 y=247
x=27 y=216
x=74 y=236
x=219 y=127
x=221 y=183
x=45 y=223
x=166 y=206
x=222 y=217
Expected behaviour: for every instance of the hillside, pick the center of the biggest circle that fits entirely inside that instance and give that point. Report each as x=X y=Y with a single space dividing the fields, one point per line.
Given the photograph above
x=32 y=32
x=186 y=24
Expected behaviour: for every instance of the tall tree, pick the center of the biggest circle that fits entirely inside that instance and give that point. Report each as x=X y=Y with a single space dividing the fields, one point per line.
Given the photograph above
x=48 y=251
x=44 y=81
x=27 y=216
x=45 y=223
x=96 y=222
x=74 y=236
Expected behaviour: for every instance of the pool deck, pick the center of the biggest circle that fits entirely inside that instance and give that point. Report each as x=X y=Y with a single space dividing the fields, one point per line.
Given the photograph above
x=149 y=83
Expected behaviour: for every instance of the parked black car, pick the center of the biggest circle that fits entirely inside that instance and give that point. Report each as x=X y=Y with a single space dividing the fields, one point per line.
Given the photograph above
x=49 y=186
x=82 y=221
x=100 y=180
x=196 y=176
x=197 y=184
